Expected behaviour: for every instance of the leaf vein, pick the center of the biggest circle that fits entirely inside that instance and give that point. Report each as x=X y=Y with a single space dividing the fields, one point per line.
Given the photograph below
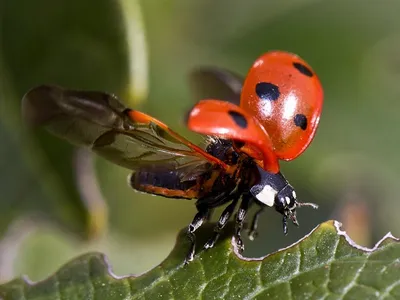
x=280 y=281
x=389 y=289
x=127 y=285
x=298 y=262
x=228 y=282
x=203 y=286
x=218 y=275
x=353 y=283
x=329 y=277
x=289 y=289
x=57 y=286
x=90 y=281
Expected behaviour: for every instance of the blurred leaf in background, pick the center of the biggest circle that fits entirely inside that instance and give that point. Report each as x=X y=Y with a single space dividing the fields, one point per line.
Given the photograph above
x=352 y=45
x=45 y=46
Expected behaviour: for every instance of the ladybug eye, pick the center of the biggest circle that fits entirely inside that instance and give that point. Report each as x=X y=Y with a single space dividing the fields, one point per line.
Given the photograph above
x=303 y=69
x=267 y=91
x=300 y=120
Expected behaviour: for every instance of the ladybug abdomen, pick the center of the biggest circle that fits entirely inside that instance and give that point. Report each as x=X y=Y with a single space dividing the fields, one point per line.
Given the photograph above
x=284 y=94
x=165 y=183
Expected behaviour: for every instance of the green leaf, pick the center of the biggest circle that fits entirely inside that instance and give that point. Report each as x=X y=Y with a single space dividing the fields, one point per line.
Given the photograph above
x=325 y=264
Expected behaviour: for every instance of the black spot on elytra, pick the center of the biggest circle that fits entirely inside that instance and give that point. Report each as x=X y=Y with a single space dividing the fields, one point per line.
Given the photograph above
x=267 y=91
x=303 y=69
x=239 y=119
x=300 y=120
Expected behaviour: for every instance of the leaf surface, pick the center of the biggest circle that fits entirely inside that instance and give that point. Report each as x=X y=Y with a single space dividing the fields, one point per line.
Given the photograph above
x=325 y=264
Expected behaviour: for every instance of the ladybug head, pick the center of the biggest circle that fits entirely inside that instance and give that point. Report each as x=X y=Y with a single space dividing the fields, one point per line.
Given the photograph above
x=274 y=190
x=285 y=199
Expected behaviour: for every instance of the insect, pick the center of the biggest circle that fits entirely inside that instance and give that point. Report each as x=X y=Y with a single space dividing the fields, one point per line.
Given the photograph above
x=271 y=115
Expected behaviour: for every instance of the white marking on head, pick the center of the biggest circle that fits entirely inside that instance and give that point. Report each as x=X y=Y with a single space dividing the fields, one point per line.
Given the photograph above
x=294 y=194
x=287 y=199
x=267 y=195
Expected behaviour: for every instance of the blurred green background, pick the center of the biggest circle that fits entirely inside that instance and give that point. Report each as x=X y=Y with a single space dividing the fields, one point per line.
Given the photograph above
x=57 y=202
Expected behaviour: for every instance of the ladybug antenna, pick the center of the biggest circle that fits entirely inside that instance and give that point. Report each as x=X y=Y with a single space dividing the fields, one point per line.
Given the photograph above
x=313 y=205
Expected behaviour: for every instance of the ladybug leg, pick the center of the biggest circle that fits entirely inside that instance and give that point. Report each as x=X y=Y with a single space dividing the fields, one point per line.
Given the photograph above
x=198 y=220
x=253 y=233
x=223 y=220
x=241 y=215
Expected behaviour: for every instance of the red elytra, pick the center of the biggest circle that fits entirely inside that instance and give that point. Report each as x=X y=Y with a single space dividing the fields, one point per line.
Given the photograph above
x=286 y=96
x=225 y=119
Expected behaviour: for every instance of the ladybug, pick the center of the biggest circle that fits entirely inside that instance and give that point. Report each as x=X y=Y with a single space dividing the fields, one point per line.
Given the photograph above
x=249 y=126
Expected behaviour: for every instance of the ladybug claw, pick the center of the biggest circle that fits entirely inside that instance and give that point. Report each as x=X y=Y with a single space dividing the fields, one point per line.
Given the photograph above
x=293 y=217
x=294 y=220
x=239 y=244
x=189 y=258
x=211 y=242
x=252 y=235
